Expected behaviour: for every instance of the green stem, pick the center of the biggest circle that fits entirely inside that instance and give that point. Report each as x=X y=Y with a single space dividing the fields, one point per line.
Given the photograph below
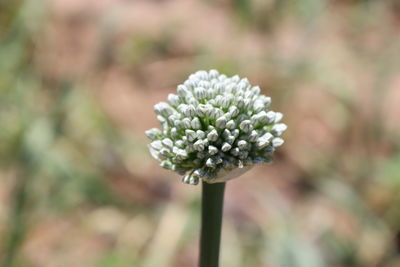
x=211 y=222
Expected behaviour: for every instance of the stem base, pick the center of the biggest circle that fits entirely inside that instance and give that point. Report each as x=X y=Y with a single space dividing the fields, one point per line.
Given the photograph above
x=211 y=223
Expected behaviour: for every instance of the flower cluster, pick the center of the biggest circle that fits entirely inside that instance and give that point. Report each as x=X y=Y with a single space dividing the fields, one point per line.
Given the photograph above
x=215 y=128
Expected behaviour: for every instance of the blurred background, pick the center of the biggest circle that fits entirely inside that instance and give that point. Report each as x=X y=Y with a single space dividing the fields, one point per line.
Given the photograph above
x=78 y=81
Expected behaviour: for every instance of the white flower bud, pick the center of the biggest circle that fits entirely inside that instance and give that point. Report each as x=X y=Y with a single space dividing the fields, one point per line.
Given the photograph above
x=213 y=74
x=195 y=123
x=165 y=152
x=258 y=106
x=194 y=180
x=166 y=164
x=256 y=90
x=248 y=95
x=278 y=117
x=277 y=142
x=200 y=93
x=218 y=113
x=218 y=160
x=262 y=117
x=246 y=126
x=235 y=133
x=226 y=147
x=202 y=74
x=221 y=122
x=210 y=112
x=171 y=119
x=231 y=88
x=204 y=84
x=242 y=144
x=189 y=84
x=200 y=134
x=235 y=78
x=198 y=145
x=178 y=124
x=212 y=136
x=212 y=102
x=173 y=100
x=161 y=119
x=254 y=119
x=212 y=150
x=218 y=100
x=194 y=79
x=206 y=142
x=190 y=111
x=174 y=132
x=226 y=101
x=247 y=103
x=210 y=163
x=186 y=179
x=153 y=133
x=204 y=110
x=210 y=94
x=240 y=102
x=190 y=135
x=182 y=108
x=253 y=136
x=179 y=143
x=264 y=140
x=226 y=133
x=235 y=151
x=261 y=143
x=163 y=109
x=231 y=125
x=190 y=179
x=234 y=111
x=182 y=90
x=193 y=101
x=230 y=139
x=181 y=154
x=241 y=117
x=157 y=145
x=186 y=123
x=278 y=129
x=175 y=150
x=244 y=84
x=222 y=77
x=271 y=116
x=266 y=99
x=219 y=87
x=168 y=142
x=267 y=136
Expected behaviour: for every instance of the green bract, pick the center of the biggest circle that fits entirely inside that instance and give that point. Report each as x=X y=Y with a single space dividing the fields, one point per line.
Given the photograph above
x=215 y=128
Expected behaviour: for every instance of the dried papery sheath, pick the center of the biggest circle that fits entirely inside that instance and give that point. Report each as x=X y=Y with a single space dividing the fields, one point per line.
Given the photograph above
x=215 y=128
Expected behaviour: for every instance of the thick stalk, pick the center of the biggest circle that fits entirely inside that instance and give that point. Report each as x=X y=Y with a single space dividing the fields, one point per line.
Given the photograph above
x=211 y=222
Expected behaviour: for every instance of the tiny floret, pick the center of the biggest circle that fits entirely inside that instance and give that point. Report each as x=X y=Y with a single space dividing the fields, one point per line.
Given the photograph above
x=215 y=128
